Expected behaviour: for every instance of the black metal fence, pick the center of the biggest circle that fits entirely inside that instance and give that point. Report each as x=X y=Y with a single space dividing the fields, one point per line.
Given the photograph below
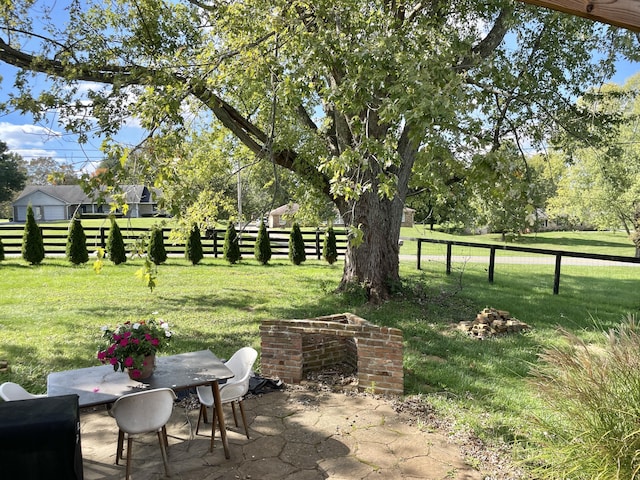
x=554 y=256
x=55 y=240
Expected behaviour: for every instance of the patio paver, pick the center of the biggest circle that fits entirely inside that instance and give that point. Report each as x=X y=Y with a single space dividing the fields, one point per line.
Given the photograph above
x=296 y=434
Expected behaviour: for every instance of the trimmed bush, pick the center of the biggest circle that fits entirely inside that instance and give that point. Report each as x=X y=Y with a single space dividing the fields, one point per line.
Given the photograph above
x=263 y=245
x=32 y=243
x=297 y=254
x=231 y=251
x=330 y=248
x=1 y=251
x=157 y=252
x=77 y=252
x=115 y=244
x=193 y=248
x=592 y=395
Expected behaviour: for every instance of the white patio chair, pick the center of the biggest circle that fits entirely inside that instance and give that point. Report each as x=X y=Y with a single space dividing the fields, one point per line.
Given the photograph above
x=231 y=392
x=143 y=412
x=10 y=391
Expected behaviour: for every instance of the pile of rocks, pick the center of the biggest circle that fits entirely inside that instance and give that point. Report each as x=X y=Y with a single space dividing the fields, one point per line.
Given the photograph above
x=491 y=321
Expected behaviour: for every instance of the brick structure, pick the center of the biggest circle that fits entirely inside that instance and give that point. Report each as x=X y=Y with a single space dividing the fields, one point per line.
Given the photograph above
x=291 y=348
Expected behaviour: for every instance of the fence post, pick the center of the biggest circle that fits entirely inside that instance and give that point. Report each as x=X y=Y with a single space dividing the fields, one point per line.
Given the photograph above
x=103 y=242
x=318 y=249
x=215 y=243
x=419 y=252
x=448 y=258
x=492 y=263
x=556 y=277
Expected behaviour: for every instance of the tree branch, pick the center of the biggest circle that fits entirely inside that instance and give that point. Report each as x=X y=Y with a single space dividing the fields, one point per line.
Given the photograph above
x=489 y=43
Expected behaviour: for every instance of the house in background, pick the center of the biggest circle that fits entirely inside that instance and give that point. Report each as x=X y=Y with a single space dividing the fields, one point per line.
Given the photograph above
x=282 y=217
x=61 y=202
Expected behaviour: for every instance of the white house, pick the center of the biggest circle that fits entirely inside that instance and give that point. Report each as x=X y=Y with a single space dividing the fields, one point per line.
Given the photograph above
x=61 y=202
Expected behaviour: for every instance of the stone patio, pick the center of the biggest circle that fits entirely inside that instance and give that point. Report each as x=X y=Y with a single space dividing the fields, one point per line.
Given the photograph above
x=296 y=434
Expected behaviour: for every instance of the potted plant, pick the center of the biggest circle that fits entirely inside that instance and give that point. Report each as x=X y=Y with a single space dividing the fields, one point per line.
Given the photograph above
x=132 y=346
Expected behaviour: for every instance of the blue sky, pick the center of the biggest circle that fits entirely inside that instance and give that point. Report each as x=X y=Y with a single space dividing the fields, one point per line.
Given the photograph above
x=48 y=139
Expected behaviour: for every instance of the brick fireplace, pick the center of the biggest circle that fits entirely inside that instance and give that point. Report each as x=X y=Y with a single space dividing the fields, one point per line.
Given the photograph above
x=292 y=348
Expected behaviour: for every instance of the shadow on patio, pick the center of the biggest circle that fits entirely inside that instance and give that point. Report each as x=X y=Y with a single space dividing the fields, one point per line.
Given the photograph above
x=295 y=434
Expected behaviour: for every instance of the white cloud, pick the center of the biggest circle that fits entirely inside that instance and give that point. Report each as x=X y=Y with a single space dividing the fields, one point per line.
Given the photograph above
x=19 y=137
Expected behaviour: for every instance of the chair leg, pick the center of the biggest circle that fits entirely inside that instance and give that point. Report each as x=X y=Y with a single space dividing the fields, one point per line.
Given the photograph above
x=163 y=449
x=213 y=428
x=128 y=469
x=202 y=415
x=235 y=418
x=164 y=436
x=244 y=418
x=120 y=446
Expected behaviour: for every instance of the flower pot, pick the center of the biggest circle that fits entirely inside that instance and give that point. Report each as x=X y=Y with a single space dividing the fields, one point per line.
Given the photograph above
x=149 y=365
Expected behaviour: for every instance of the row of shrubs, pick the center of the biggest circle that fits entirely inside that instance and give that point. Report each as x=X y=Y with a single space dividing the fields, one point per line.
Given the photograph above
x=77 y=252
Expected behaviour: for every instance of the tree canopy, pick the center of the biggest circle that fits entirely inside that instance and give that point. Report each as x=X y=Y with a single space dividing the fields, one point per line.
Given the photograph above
x=12 y=174
x=47 y=171
x=599 y=184
x=356 y=99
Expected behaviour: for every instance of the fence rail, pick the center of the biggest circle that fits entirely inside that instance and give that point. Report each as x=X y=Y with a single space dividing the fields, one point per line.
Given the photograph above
x=55 y=240
x=557 y=255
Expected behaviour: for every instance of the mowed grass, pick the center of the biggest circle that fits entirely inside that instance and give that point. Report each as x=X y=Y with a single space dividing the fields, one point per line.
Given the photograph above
x=600 y=242
x=50 y=319
x=50 y=315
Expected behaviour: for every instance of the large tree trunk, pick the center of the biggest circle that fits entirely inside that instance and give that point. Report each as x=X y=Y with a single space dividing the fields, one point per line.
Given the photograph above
x=374 y=263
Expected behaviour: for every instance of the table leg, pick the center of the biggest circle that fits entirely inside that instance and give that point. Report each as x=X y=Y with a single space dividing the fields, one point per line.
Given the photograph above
x=217 y=404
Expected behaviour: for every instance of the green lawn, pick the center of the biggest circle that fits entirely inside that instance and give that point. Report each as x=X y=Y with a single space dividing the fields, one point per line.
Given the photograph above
x=610 y=243
x=50 y=319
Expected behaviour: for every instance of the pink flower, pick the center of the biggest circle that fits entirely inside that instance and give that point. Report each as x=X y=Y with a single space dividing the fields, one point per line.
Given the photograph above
x=113 y=361
x=155 y=342
x=128 y=362
x=102 y=356
x=135 y=373
x=124 y=342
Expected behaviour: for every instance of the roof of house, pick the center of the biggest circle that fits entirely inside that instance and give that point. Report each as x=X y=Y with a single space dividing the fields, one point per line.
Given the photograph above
x=287 y=209
x=73 y=194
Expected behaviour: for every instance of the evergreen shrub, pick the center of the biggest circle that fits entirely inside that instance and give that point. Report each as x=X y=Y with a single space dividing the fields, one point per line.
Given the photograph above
x=330 y=248
x=157 y=251
x=297 y=254
x=193 y=248
x=231 y=251
x=76 y=250
x=32 y=242
x=115 y=244
x=263 y=245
